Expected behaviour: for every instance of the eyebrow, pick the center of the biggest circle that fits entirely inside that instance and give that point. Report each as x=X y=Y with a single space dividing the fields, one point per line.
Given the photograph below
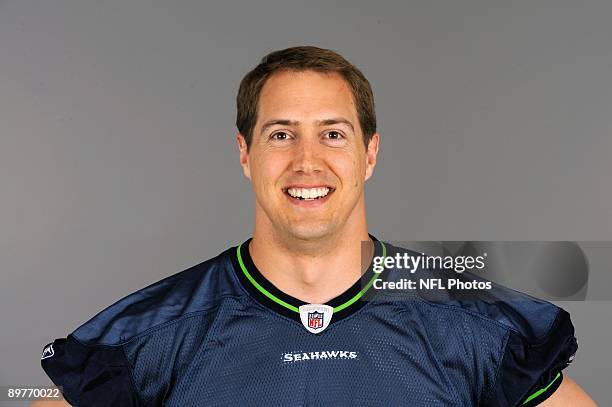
x=326 y=122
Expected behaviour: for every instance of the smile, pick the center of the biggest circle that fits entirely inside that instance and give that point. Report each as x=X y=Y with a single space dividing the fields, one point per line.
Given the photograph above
x=308 y=194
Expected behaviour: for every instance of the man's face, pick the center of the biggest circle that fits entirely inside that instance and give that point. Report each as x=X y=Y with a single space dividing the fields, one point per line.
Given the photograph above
x=307 y=160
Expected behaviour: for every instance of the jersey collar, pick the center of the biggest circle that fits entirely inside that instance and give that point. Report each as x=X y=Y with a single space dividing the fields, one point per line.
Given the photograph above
x=273 y=298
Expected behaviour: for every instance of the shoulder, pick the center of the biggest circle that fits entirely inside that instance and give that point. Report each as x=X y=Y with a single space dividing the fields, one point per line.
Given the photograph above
x=467 y=296
x=197 y=289
x=518 y=343
x=108 y=359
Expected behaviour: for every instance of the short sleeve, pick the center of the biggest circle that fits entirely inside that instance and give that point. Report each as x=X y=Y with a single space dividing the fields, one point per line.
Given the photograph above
x=530 y=369
x=89 y=375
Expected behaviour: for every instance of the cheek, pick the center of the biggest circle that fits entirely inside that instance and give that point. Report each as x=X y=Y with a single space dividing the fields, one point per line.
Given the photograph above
x=350 y=170
x=266 y=172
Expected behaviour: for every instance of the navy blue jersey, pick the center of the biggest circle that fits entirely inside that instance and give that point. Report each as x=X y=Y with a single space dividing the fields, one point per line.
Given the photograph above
x=220 y=334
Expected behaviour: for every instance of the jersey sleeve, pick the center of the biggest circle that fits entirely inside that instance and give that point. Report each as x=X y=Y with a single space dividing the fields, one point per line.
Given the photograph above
x=89 y=375
x=531 y=367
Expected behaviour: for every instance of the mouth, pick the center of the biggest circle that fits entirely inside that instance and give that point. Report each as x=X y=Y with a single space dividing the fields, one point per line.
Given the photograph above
x=308 y=194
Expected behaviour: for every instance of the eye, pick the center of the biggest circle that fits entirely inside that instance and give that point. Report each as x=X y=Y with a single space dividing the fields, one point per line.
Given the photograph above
x=335 y=136
x=279 y=135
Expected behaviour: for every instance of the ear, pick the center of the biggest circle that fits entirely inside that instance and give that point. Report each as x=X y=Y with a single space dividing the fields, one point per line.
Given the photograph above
x=371 y=153
x=244 y=155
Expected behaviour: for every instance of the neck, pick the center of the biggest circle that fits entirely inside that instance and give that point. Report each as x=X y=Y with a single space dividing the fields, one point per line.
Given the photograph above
x=316 y=270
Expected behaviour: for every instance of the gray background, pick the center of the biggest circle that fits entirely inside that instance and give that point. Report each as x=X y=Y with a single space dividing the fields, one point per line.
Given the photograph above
x=118 y=164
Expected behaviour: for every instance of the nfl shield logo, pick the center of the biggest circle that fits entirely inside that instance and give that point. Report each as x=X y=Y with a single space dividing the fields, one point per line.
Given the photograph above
x=315 y=320
x=315 y=317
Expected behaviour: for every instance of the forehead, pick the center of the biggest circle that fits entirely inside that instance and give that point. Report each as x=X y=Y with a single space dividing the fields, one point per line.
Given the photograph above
x=306 y=95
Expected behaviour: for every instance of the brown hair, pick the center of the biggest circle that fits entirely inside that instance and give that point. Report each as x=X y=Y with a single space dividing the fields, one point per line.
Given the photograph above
x=302 y=59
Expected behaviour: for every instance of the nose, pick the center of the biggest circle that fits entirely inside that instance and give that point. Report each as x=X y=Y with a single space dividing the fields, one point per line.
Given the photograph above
x=307 y=156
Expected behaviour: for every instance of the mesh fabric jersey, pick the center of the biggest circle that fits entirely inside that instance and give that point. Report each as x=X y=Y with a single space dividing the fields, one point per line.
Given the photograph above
x=219 y=333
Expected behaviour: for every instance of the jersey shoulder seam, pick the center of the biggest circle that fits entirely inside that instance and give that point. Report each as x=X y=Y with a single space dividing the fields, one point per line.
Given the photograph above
x=131 y=372
x=486 y=318
x=500 y=358
x=159 y=326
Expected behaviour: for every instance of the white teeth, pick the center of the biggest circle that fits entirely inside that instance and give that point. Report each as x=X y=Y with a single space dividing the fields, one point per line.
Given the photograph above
x=308 y=193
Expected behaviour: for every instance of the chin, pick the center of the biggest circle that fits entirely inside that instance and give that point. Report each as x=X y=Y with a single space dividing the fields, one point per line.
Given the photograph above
x=311 y=231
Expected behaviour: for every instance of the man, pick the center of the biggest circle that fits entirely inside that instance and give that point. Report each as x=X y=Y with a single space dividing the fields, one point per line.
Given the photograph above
x=283 y=319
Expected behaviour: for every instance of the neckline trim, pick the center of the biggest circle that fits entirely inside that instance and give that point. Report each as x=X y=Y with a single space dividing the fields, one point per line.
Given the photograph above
x=272 y=297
